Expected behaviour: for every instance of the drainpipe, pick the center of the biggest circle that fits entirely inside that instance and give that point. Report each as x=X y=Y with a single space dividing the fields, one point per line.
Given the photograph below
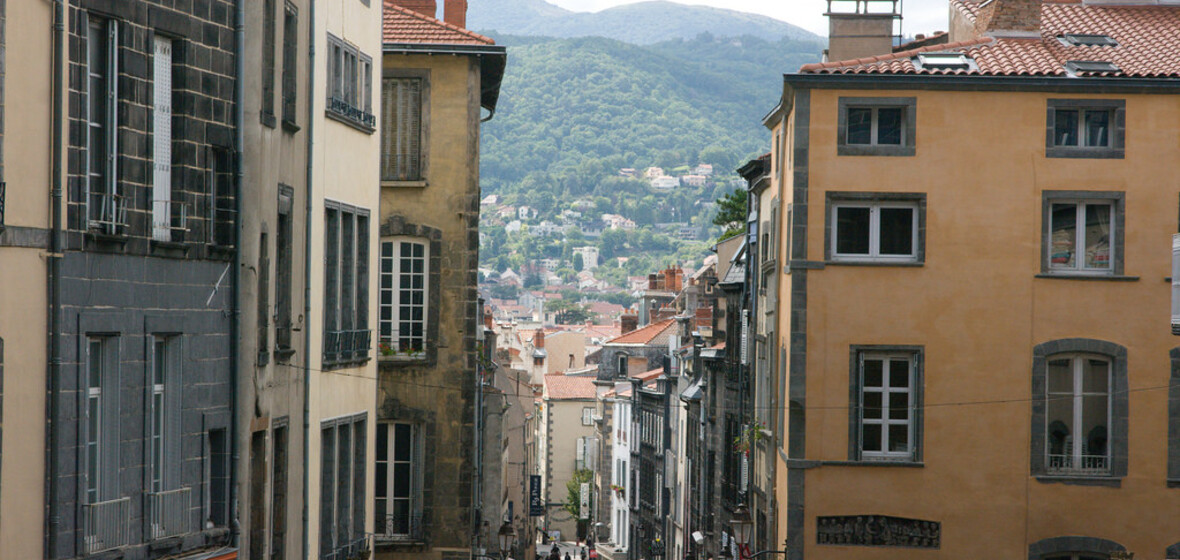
x=307 y=273
x=235 y=280
x=53 y=515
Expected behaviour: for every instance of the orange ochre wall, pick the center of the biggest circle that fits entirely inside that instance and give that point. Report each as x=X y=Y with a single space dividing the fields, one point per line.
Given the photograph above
x=978 y=309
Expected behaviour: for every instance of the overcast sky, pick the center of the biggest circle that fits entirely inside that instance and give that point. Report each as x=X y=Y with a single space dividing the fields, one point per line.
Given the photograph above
x=920 y=16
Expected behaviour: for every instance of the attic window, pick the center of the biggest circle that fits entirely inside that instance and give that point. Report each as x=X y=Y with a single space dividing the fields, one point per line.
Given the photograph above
x=943 y=61
x=1084 y=40
x=1090 y=66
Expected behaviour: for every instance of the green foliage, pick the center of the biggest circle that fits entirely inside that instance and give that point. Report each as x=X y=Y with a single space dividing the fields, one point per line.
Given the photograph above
x=567 y=312
x=573 y=499
x=578 y=262
x=731 y=213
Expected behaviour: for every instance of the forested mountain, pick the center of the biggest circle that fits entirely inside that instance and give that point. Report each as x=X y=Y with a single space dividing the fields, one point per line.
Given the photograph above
x=641 y=23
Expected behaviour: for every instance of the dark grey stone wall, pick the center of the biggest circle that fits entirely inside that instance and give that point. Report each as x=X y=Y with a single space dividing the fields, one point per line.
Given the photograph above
x=1045 y=548
x=608 y=367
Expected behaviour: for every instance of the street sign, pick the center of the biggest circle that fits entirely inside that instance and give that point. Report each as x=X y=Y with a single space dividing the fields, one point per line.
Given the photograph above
x=584 y=510
x=536 y=504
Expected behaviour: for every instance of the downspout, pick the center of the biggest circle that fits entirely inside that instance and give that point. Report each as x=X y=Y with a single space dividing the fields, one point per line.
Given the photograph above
x=53 y=517
x=307 y=273
x=235 y=290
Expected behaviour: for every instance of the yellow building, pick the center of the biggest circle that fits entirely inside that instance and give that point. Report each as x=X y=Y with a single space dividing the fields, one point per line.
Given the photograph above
x=439 y=81
x=973 y=310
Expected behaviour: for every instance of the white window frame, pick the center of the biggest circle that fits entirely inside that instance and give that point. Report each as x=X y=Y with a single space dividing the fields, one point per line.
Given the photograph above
x=886 y=358
x=386 y=467
x=874 y=134
x=103 y=182
x=157 y=425
x=1078 y=395
x=1080 y=205
x=390 y=290
x=95 y=410
x=1082 y=130
x=874 y=253
x=587 y=416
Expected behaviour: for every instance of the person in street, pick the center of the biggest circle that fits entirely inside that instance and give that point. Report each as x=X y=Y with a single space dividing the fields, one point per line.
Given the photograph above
x=554 y=553
x=567 y=556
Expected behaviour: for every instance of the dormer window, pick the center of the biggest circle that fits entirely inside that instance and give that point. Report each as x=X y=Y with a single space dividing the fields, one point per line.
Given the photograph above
x=1077 y=67
x=1087 y=40
x=943 y=61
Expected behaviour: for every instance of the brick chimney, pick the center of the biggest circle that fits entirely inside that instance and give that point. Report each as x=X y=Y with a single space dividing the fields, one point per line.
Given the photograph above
x=1010 y=18
x=651 y=281
x=455 y=12
x=628 y=322
x=424 y=7
x=539 y=340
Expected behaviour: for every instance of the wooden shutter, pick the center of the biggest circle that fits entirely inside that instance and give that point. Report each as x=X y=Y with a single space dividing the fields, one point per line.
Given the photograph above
x=401 y=142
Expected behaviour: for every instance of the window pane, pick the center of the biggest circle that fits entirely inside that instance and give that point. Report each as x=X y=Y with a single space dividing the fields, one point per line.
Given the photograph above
x=852 y=231
x=872 y=373
x=889 y=125
x=1060 y=426
x=899 y=438
x=1095 y=375
x=1061 y=376
x=1065 y=127
x=401 y=480
x=1097 y=128
x=871 y=437
x=872 y=405
x=899 y=374
x=897 y=231
x=860 y=126
x=899 y=406
x=1094 y=415
x=1097 y=235
x=1063 y=240
x=402 y=442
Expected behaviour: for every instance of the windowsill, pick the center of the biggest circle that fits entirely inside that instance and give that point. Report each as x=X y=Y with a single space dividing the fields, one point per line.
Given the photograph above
x=1084 y=276
x=852 y=262
x=346 y=364
x=171 y=249
x=357 y=124
x=402 y=184
x=1174 y=483
x=1080 y=480
x=282 y=355
x=874 y=150
x=267 y=118
x=220 y=251
x=1068 y=152
x=409 y=359
x=874 y=463
x=290 y=126
x=107 y=240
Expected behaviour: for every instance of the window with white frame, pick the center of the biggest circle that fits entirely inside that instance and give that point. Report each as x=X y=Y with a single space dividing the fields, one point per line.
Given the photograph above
x=350 y=84
x=886 y=416
x=885 y=228
x=102 y=418
x=1077 y=420
x=622 y=361
x=397 y=514
x=587 y=416
x=159 y=409
x=405 y=286
x=1083 y=234
x=106 y=211
x=881 y=126
x=1086 y=128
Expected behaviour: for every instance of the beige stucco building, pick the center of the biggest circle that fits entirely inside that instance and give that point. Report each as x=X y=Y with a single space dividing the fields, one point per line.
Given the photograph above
x=567 y=443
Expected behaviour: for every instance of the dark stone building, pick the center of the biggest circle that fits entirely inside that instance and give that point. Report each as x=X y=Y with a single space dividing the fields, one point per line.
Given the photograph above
x=144 y=430
x=649 y=523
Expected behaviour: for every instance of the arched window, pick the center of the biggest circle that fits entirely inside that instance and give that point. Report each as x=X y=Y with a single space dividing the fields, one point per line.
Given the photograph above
x=1073 y=548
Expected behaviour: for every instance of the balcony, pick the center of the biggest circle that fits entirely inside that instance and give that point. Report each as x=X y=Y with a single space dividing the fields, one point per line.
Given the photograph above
x=170 y=513
x=346 y=111
x=355 y=550
x=108 y=213
x=344 y=347
x=403 y=529
x=1082 y=465
x=108 y=525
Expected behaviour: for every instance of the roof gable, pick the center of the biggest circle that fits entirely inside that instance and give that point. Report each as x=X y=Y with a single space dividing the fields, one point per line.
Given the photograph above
x=402 y=25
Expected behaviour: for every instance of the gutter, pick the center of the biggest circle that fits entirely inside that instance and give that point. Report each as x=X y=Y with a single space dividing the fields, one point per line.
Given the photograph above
x=307 y=273
x=235 y=280
x=57 y=120
x=1062 y=84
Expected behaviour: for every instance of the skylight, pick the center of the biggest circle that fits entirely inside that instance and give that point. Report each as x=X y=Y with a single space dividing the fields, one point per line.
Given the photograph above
x=1090 y=66
x=943 y=61
x=1085 y=40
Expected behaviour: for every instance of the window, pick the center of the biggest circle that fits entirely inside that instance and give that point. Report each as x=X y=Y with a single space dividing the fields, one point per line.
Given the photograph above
x=218 y=477
x=346 y=284
x=342 y=484
x=284 y=239
x=1079 y=409
x=885 y=418
x=258 y=472
x=164 y=420
x=222 y=215
x=402 y=138
x=880 y=126
x=884 y=228
x=944 y=61
x=278 y=493
x=1073 y=548
x=164 y=223
x=290 y=68
x=404 y=296
x=587 y=416
x=397 y=514
x=102 y=420
x=106 y=209
x=1083 y=233
x=268 y=62
x=350 y=92
x=263 y=292
x=1080 y=39
x=1085 y=128
x=622 y=365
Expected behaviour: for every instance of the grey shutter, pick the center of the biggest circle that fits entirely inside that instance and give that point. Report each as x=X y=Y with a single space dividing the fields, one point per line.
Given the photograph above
x=401 y=142
x=112 y=126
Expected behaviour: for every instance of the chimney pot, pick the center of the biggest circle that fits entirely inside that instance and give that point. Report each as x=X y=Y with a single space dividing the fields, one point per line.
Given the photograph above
x=539 y=340
x=628 y=322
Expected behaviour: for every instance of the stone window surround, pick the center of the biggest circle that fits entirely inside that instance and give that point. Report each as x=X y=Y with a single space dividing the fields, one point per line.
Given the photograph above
x=917 y=355
x=1118 y=403
x=1116 y=150
x=909 y=134
x=397 y=226
x=423 y=126
x=1119 y=200
x=1045 y=548
x=833 y=198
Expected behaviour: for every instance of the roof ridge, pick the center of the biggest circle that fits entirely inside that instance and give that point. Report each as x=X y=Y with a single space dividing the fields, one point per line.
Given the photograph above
x=894 y=56
x=406 y=11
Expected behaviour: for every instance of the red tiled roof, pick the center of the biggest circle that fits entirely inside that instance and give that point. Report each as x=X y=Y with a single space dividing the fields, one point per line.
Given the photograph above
x=563 y=387
x=401 y=25
x=649 y=375
x=646 y=335
x=1148 y=45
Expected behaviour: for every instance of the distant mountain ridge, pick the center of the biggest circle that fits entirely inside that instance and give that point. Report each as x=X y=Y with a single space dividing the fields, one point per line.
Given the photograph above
x=642 y=23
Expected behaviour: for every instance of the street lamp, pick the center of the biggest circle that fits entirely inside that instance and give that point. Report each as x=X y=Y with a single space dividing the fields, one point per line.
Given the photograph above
x=743 y=529
x=507 y=535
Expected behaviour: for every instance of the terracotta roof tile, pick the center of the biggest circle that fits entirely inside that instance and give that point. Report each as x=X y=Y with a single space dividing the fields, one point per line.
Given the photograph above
x=562 y=387
x=1148 y=45
x=647 y=335
x=402 y=25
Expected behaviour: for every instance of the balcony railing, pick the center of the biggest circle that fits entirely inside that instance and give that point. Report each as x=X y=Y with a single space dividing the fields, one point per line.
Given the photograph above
x=108 y=212
x=108 y=525
x=342 y=347
x=169 y=220
x=170 y=512
x=1085 y=465
x=347 y=111
x=400 y=528
x=355 y=550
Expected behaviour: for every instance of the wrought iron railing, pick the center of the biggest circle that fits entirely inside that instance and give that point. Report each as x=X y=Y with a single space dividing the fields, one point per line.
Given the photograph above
x=400 y=528
x=108 y=212
x=347 y=346
x=345 y=109
x=169 y=219
x=1083 y=465
x=358 y=549
x=169 y=512
x=108 y=525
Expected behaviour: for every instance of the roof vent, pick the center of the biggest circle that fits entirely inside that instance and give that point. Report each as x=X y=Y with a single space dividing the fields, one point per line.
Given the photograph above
x=1077 y=67
x=1085 y=40
x=944 y=61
